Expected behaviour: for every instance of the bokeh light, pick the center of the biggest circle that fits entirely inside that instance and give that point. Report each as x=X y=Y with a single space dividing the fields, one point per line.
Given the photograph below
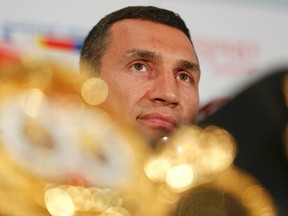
x=94 y=91
x=59 y=203
x=179 y=177
x=67 y=200
x=115 y=211
x=157 y=168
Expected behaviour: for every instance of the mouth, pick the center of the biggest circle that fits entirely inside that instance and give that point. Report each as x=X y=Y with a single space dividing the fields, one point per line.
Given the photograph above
x=158 y=121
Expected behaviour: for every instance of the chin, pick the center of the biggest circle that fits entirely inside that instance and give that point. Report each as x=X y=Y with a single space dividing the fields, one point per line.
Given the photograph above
x=154 y=137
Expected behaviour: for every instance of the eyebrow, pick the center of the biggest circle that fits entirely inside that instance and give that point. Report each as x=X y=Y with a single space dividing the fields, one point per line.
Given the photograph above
x=189 y=65
x=145 y=54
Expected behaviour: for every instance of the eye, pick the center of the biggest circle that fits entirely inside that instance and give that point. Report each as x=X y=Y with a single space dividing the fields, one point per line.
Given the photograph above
x=184 y=76
x=139 y=67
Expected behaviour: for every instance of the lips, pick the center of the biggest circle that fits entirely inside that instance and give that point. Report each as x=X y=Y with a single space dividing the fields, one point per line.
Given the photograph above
x=158 y=121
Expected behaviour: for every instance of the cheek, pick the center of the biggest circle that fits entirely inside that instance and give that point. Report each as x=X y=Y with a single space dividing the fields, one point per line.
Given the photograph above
x=191 y=107
x=122 y=93
x=116 y=94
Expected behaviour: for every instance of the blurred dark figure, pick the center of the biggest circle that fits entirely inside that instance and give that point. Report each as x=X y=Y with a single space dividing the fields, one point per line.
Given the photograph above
x=257 y=118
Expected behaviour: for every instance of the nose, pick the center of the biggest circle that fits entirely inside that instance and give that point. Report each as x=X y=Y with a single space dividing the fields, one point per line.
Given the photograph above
x=164 y=90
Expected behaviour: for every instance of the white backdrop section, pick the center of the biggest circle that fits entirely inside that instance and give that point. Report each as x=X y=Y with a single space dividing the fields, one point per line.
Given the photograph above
x=236 y=43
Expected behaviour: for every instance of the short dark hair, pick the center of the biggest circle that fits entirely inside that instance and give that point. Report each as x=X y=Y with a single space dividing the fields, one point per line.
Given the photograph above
x=97 y=41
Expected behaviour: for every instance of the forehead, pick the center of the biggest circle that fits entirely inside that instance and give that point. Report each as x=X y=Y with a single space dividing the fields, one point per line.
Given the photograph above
x=143 y=34
x=133 y=25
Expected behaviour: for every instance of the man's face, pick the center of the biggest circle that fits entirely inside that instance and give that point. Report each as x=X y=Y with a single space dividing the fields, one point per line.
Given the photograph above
x=152 y=73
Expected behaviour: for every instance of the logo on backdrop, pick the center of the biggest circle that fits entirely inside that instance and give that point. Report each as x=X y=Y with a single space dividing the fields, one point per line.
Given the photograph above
x=228 y=56
x=53 y=37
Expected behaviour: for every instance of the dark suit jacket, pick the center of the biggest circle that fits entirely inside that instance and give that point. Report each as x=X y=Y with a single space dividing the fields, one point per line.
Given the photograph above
x=257 y=118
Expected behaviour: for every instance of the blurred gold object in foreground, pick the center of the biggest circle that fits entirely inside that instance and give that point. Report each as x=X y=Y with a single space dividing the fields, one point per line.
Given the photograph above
x=233 y=192
x=192 y=156
x=62 y=155
x=56 y=142
x=195 y=171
